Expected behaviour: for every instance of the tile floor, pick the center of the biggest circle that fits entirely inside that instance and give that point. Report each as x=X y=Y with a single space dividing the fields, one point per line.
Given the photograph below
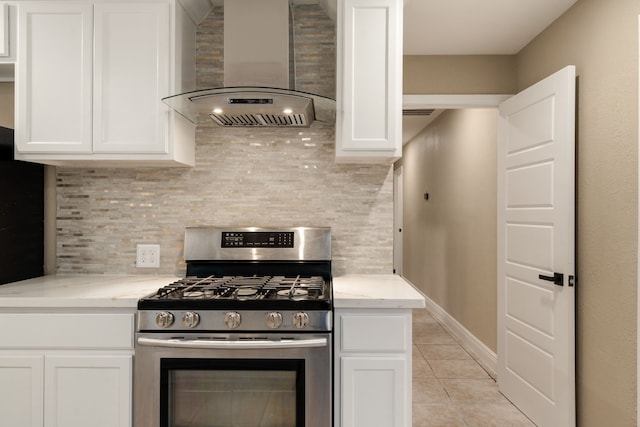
x=450 y=388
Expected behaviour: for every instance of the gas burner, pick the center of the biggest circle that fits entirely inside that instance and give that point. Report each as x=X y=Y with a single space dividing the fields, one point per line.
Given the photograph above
x=193 y=294
x=244 y=288
x=246 y=292
x=293 y=293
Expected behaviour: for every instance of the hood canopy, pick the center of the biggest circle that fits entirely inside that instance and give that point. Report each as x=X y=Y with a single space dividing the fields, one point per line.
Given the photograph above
x=253 y=106
x=259 y=68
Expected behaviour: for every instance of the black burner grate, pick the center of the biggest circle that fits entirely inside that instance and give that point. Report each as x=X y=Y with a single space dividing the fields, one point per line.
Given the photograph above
x=242 y=288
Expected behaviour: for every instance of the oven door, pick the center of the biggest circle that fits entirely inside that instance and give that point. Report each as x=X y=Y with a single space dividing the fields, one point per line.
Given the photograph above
x=232 y=380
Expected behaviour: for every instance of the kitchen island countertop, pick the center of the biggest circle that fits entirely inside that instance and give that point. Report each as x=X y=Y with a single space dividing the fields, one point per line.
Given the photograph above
x=123 y=291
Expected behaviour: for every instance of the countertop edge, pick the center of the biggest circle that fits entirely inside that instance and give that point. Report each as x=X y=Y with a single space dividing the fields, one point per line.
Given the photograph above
x=375 y=291
x=386 y=291
x=82 y=292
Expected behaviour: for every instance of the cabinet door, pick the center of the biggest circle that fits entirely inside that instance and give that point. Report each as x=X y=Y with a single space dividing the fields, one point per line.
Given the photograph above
x=4 y=29
x=21 y=391
x=373 y=392
x=83 y=391
x=370 y=80
x=131 y=76
x=53 y=77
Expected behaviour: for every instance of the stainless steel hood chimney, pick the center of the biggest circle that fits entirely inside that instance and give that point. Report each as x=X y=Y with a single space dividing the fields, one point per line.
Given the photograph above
x=259 y=73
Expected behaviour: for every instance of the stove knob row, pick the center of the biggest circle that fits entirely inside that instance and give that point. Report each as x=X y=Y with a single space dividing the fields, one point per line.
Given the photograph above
x=190 y=319
x=164 y=319
x=232 y=319
x=274 y=320
x=300 y=320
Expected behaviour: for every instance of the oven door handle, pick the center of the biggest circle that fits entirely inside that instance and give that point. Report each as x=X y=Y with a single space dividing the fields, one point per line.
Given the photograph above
x=222 y=344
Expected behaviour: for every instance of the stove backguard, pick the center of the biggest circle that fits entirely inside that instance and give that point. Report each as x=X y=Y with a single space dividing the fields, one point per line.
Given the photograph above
x=263 y=268
x=257 y=244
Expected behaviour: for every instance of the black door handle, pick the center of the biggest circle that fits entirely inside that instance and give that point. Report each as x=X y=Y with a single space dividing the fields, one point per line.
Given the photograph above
x=557 y=278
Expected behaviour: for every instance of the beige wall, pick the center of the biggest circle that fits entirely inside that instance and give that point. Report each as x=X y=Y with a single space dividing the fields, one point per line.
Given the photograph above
x=450 y=240
x=6 y=104
x=600 y=37
x=464 y=74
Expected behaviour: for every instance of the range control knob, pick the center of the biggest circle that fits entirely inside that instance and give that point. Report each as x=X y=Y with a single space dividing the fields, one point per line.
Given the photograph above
x=232 y=319
x=300 y=320
x=274 y=320
x=190 y=319
x=164 y=319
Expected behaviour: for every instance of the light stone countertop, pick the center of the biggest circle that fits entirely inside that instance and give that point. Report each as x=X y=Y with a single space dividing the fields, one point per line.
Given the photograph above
x=81 y=291
x=375 y=291
x=120 y=291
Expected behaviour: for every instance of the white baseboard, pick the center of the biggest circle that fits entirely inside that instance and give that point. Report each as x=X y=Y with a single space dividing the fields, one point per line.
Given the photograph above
x=480 y=352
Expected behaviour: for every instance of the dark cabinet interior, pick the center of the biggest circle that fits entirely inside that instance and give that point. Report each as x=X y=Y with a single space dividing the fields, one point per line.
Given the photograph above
x=21 y=215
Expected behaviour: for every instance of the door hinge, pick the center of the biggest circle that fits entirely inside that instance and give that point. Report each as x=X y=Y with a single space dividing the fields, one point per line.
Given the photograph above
x=572 y=280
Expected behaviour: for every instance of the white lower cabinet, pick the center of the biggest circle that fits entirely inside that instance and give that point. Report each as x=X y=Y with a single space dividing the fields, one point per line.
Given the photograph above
x=82 y=391
x=373 y=365
x=373 y=391
x=65 y=390
x=72 y=370
x=22 y=390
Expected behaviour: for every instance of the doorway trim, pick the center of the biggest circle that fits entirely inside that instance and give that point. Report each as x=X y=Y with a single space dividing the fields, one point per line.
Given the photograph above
x=417 y=102
x=484 y=355
x=398 y=212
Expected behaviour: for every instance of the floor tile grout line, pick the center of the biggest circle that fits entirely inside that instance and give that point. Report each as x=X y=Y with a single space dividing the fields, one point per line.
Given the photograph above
x=457 y=404
x=453 y=337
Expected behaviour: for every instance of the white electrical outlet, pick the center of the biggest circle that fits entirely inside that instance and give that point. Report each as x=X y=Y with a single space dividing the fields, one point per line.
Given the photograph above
x=147 y=256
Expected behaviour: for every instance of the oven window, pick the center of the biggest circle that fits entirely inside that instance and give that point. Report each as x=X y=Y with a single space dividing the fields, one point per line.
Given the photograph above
x=232 y=392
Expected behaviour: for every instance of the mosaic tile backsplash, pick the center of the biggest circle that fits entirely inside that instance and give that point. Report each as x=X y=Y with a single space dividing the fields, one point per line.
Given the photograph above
x=242 y=177
x=104 y=213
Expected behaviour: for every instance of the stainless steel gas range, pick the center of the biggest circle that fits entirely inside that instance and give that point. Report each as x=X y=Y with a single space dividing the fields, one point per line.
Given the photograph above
x=245 y=338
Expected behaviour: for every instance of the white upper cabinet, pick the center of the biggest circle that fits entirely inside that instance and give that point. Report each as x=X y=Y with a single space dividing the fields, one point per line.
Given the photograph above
x=8 y=38
x=53 y=77
x=89 y=82
x=130 y=77
x=369 y=95
x=4 y=30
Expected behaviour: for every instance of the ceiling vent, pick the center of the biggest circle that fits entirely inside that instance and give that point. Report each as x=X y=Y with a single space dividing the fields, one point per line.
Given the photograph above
x=418 y=112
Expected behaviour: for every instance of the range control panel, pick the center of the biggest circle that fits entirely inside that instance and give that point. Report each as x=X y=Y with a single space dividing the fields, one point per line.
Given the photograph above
x=257 y=239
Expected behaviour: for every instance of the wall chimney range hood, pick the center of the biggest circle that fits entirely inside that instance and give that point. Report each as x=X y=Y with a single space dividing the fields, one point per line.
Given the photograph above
x=259 y=74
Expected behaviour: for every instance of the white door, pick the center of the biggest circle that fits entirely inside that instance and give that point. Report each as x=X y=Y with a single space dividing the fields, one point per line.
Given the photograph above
x=536 y=173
